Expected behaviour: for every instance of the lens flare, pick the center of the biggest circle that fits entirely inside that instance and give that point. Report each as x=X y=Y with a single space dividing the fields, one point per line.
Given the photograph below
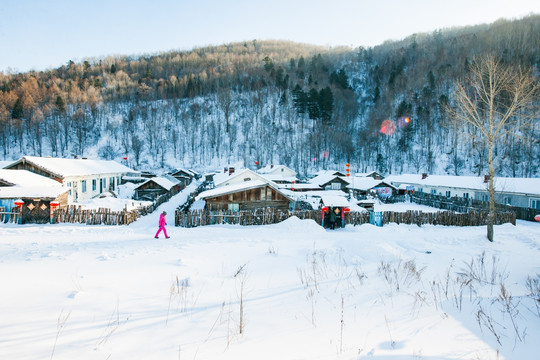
x=403 y=121
x=388 y=127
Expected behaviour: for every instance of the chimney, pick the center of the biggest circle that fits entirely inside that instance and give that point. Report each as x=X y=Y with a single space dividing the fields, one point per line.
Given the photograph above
x=486 y=179
x=424 y=175
x=231 y=170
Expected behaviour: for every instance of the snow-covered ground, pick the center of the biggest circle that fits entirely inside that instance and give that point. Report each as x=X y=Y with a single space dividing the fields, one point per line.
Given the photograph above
x=295 y=290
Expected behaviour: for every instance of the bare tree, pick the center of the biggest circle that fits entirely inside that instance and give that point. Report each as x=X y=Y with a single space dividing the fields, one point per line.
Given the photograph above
x=496 y=101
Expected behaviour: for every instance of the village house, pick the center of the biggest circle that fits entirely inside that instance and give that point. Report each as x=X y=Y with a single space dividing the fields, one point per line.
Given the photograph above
x=83 y=178
x=34 y=192
x=156 y=186
x=372 y=174
x=518 y=192
x=330 y=180
x=236 y=177
x=361 y=186
x=246 y=195
x=280 y=174
x=185 y=177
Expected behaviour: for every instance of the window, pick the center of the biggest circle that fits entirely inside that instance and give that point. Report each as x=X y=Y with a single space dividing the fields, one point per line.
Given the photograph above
x=94 y=184
x=263 y=193
x=69 y=184
x=111 y=184
x=234 y=207
x=433 y=191
x=336 y=186
x=466 y=195
x=448 y=194
x=485 y=197
x=83 y=186
x=507 y=200
x=535 y=204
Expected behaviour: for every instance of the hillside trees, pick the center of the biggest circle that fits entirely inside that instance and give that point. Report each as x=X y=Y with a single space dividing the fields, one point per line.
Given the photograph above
x=271 y=101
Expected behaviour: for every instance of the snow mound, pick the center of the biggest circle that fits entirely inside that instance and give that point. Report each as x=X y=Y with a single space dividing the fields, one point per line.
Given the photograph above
x=295 y=224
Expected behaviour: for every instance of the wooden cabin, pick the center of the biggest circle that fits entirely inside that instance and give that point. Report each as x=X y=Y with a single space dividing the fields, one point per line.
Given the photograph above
x=36 y=193
x=154 y=187
x=249 y=195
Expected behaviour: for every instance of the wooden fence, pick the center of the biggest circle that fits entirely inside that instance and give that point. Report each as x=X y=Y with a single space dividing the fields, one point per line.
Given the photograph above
x=272 y=216
x=12 y=216
x=464 y=205
x=76 y=214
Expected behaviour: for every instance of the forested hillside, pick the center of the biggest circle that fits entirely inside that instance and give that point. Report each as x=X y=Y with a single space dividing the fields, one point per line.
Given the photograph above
x=273 y=102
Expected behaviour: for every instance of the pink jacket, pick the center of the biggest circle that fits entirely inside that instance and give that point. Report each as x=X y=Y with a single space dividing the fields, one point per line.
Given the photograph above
x=162 y=220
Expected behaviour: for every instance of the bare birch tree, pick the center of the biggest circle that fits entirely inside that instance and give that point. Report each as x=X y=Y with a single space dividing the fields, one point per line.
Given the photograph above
x=497 y=102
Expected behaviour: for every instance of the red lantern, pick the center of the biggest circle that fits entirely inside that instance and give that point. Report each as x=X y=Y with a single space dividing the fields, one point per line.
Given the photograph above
x=19 y=202
x=347 y=165
x=325 y=208
x=54 y=204
x=537 y=218
x=346 y=210
x=256 y=163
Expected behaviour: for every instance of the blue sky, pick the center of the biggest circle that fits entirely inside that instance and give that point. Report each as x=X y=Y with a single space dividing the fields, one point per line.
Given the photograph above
x=41 y=34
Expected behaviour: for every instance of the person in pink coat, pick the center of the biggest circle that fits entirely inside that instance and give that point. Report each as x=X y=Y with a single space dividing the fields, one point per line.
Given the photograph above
x=162 y=223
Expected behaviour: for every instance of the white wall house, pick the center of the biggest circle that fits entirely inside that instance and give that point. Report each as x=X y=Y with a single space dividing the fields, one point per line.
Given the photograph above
x=239 y=177
x=83 y=178
x=278 y=173
x=519 y=192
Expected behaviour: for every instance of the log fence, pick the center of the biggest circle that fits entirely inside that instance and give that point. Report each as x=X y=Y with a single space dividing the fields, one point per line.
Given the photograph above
x=268 y=216
x=462 y=205
x=76 y=214
x=12 y=216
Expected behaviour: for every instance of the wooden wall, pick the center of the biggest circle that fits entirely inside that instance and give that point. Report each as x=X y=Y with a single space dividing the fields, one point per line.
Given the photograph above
x=263 y=197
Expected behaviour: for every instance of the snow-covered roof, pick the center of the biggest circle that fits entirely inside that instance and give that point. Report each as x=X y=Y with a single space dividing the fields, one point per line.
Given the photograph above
x=239 y=176
x=233 y=188
x=279 y=177
x=4 y=163
x=273 y=169
x=506 y=185
x=367 y=183
x=188 y=172
x=365 y=174
x=335 y=201
x=325 y=178
x=300 y=186
x=27 y=184
x=167 y=182
x=75 y=167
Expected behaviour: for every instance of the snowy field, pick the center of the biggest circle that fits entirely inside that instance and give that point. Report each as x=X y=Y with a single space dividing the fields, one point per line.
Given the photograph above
x=287 y=291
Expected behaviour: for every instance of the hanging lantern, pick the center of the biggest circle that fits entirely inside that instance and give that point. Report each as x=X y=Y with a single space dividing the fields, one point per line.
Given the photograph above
x=54 y=204
x=325 y=208
x=19 y=203
x=346 y=210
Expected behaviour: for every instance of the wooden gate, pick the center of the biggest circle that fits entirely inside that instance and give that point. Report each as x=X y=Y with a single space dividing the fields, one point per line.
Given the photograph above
x=35 y=211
